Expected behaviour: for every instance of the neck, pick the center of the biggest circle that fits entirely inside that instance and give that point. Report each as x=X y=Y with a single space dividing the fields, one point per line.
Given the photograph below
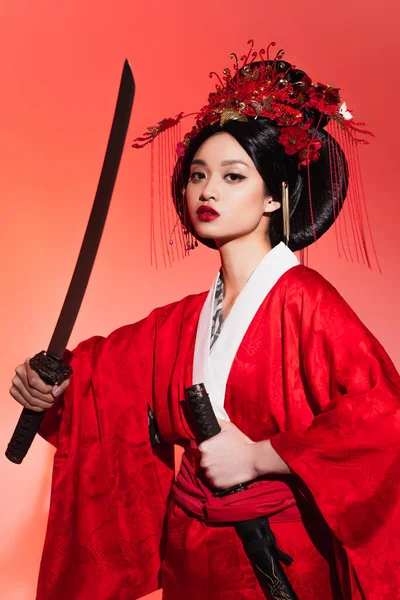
x=239 y=258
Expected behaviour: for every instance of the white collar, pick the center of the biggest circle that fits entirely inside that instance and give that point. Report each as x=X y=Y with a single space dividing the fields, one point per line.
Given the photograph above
x=213 y=368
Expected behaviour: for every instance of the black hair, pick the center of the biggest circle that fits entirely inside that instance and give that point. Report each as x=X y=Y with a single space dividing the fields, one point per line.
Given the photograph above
x=316 y=194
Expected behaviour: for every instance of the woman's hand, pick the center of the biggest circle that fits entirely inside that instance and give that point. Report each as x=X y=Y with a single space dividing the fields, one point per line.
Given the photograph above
x=30 y=391
x=227 y=458
x=230 y=458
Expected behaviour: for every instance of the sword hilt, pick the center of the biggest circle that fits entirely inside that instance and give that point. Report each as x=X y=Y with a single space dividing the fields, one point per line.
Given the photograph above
x=202 y=411
x=207 y=424
x=52 y=370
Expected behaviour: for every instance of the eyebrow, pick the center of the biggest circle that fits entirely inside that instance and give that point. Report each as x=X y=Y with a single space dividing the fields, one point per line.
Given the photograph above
x=225 y=163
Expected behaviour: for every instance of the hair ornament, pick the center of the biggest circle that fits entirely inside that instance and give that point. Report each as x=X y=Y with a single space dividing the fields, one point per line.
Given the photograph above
x=347 y=116
x=261 y=88
x=261 y=84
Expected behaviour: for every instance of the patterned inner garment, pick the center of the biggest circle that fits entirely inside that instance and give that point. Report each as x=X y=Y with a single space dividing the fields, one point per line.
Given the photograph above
x=216 y=328
x=217 y=318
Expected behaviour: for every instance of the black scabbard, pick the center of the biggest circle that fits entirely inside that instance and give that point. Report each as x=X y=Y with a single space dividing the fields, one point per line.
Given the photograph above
x=256 y=534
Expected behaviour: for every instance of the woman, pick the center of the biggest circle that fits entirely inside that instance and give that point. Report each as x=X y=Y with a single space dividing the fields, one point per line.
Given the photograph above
x=308 y=400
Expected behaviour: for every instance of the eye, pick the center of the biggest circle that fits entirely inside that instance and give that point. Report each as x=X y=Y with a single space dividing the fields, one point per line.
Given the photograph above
x=234 y=177
x=197 y=176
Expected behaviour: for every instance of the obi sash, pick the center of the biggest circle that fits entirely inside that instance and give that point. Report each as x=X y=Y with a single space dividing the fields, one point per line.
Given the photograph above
x=262 y=498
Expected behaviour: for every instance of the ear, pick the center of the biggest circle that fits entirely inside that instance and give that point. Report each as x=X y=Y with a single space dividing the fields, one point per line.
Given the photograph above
x=270 y=205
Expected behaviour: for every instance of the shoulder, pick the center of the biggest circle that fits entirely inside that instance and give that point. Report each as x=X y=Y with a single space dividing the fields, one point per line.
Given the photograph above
x=183 y=308
x=312 y=301
x=305 y=293
x=309 y=286
x=173 y=313
x=140 y=331
x=305 y=280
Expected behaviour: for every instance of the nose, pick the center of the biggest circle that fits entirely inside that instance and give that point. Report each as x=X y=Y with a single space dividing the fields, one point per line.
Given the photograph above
x=209 y=192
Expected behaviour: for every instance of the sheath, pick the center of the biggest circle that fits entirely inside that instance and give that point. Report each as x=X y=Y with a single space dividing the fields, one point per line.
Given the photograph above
x=291 y=363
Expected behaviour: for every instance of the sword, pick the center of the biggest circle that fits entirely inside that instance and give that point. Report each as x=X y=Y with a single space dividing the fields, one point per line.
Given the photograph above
x=256 y=534
x=49 y=364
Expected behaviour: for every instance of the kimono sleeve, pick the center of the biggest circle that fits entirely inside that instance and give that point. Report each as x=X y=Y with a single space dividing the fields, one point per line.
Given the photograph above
x=81 y=362
x=349 y=457
x=109 y=488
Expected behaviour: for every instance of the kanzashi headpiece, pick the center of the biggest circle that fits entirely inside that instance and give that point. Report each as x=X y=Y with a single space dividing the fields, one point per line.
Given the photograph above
x=261 y=87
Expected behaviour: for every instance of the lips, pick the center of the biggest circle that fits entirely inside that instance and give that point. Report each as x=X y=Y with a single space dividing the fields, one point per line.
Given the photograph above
x=206 y=213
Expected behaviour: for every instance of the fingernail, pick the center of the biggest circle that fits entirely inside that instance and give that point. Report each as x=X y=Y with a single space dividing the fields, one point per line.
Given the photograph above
x=57 y=391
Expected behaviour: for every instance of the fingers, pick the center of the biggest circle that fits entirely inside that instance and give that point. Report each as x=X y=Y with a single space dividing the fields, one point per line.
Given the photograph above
x=226 y=425
x=60 y=389
x=31 y=398
x=32 y=379
x=30 y=391
x=19 y=398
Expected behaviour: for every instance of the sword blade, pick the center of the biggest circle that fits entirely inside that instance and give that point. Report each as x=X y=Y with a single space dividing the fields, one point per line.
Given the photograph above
x=50 y=365
x=98 y=215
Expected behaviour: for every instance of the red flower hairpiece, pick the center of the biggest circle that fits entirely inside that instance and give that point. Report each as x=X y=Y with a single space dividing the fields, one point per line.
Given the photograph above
x=260 y=87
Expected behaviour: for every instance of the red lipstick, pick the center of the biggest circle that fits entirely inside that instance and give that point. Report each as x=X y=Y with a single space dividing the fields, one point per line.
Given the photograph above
x=206 y=213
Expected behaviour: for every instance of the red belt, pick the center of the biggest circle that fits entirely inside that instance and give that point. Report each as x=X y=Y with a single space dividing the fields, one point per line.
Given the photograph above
x=263 y=498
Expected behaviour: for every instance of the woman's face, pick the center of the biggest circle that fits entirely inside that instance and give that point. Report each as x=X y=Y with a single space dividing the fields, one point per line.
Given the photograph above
x=226 y=195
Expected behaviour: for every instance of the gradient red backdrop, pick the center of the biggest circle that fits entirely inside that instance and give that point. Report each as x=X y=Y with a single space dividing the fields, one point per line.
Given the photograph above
x=60 y=68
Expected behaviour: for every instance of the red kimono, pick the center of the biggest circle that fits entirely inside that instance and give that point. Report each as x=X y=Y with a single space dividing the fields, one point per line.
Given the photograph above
x=309 y=376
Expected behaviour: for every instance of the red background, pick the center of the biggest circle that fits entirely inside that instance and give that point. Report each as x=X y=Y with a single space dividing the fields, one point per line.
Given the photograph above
x=60 y=69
